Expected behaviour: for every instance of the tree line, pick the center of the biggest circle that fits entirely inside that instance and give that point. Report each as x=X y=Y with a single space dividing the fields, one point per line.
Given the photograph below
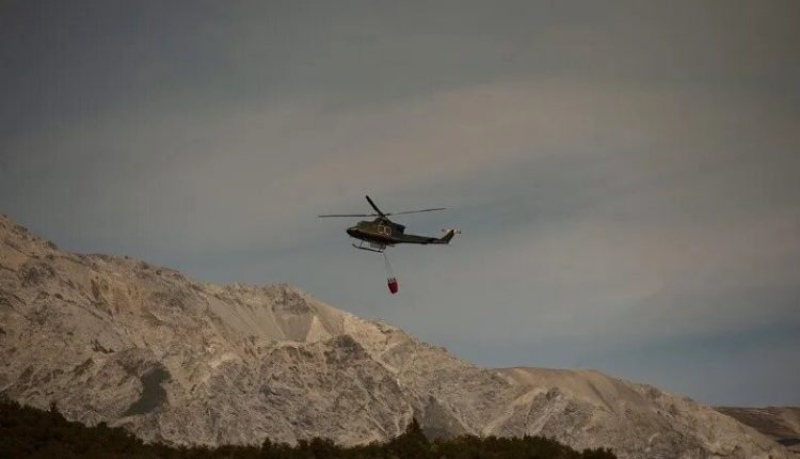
x=27 y=432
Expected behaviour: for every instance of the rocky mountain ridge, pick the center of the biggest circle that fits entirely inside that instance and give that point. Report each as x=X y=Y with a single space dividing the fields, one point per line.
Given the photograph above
x=118 y=340
x=782 y=424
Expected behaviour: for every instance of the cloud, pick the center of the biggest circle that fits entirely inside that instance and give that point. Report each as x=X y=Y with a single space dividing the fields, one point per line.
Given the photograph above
x=623 y=173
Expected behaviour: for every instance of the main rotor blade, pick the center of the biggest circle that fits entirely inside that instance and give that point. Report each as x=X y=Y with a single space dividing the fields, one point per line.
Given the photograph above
x=369 y=200
x=346 y=215
x=417 y=211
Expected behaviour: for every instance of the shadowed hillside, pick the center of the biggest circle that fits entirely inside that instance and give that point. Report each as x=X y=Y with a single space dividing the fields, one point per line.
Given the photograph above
x=780 y=423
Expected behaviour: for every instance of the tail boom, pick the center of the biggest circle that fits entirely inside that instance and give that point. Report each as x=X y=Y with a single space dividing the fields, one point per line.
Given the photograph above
x=448 y=235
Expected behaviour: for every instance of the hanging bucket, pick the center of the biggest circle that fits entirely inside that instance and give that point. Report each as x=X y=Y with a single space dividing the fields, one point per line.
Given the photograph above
x=391 y=281
x=392 y=285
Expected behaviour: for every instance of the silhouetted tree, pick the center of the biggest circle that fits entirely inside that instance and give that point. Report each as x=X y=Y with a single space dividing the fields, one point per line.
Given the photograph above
x=411 y=443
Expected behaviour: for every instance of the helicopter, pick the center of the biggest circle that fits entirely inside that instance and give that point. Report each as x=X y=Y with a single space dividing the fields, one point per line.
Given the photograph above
x=378 y=234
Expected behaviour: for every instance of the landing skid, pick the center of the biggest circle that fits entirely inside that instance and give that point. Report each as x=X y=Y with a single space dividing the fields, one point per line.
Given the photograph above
x=372 y=247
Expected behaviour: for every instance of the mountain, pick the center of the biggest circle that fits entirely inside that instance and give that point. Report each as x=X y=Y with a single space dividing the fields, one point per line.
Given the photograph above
x=779 y=423
x=142 y=347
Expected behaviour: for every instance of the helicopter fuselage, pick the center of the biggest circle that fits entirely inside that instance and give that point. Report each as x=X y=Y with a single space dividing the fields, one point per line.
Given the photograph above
x=382 y=232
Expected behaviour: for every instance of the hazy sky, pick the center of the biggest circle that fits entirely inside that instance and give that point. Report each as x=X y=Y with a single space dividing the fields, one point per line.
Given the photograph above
x=626 y=174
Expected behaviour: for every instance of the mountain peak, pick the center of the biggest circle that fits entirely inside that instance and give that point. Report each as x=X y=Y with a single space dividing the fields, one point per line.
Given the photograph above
x=120 y=341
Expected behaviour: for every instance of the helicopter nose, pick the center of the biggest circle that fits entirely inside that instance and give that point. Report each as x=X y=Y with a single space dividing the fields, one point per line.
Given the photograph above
x=351 y=231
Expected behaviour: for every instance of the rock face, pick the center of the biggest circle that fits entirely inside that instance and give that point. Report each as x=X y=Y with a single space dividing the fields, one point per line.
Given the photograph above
x=779 y=423
x=117 y=340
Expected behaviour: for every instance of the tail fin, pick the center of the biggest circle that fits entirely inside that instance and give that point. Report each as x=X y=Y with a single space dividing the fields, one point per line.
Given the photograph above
x=448 y=235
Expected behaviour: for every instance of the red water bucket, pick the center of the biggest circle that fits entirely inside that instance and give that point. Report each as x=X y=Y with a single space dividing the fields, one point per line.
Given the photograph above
x=392 y=285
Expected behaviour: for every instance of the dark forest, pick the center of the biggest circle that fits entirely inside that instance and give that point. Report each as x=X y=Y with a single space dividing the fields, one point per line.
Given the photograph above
x=27 y=432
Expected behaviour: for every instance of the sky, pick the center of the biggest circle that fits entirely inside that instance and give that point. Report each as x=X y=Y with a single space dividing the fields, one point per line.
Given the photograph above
x=626 y=174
